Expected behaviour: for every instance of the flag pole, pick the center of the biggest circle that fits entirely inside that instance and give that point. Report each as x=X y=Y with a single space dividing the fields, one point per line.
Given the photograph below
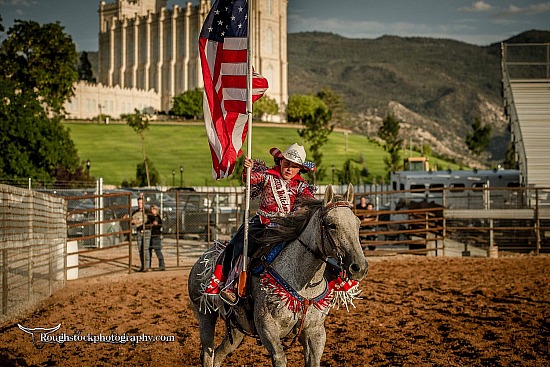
x=243 y=275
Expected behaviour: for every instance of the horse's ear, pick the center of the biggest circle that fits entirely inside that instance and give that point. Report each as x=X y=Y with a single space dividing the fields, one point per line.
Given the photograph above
x=348 y=196
x=329 y=195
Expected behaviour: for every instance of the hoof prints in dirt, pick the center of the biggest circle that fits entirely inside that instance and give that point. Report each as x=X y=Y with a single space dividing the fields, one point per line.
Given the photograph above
x=415 y=311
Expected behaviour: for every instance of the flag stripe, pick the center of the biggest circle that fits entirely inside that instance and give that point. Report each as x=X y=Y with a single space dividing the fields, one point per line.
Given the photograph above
x=224 y=61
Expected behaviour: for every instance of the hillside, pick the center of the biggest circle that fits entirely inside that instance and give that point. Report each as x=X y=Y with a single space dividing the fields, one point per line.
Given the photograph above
x=437 y=87
x=170 y=146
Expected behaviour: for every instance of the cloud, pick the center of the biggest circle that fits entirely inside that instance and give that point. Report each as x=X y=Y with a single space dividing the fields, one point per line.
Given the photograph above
x=527 y=10
x=374 y=29
x=477 y=7
x=25 y=3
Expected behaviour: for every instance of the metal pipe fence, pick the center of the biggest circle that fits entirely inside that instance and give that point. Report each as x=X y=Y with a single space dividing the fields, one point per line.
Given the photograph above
x=46 y=239
x=32 y=247
x=427 y=221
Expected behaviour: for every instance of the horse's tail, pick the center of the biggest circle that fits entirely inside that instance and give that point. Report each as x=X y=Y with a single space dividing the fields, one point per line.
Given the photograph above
x=199 y=278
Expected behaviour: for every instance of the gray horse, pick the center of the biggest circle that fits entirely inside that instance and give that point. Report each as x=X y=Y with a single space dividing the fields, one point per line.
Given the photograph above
x=294 y=298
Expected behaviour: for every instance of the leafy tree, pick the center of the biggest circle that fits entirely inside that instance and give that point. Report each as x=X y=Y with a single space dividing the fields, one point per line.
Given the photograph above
x=426 y=150
x=42 y=59
x=350 y=173
x=146 y=172
x=36 y=77
x=238 y=170
x=478 y=140
x=140 y=123
x=188 y=104
x=392 y=162
x=265 y=106
x=389 y=131
x=301 y=107
x=316 y=131
x=510 y=159
x=84 y=68
x=334 y=102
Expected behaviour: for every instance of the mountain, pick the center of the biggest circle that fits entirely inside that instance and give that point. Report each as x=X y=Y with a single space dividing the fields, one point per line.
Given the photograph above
x=436 y=87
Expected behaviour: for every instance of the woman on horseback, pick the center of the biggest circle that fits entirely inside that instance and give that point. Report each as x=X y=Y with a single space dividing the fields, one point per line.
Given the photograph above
x=278 y=188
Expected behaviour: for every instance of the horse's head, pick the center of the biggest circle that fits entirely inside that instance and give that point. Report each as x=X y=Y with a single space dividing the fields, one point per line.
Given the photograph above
x=340 y=227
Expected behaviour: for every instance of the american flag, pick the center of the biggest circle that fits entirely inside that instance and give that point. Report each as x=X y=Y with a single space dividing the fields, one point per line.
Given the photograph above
x=224 y=60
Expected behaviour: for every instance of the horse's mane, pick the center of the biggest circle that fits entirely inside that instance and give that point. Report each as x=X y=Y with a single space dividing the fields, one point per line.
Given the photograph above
x=289 y=228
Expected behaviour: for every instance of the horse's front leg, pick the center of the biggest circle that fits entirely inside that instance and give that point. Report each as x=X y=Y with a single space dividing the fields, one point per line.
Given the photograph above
x=269 y=331
x=275 y=348
x=313 y=340
x=226 y=346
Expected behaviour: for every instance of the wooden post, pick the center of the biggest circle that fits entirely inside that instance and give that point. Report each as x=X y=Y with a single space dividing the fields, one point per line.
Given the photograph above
x=537 y=223
x=427 y=226
x=444 y=223
x=4 y=281
x=178 y=229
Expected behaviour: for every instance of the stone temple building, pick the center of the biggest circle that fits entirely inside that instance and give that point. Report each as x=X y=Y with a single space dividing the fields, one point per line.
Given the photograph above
x=150 y=52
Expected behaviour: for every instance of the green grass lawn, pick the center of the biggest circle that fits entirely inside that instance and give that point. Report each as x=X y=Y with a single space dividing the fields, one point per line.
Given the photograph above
x=114 y=150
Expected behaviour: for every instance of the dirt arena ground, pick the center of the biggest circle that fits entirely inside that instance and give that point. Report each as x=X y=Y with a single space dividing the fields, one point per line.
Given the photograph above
x=416 y=311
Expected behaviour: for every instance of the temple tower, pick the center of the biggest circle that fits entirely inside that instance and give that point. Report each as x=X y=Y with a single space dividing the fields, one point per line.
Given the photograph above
x=144 y=45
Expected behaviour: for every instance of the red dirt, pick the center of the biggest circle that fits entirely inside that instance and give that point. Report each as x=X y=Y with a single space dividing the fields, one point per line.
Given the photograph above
x=415 y=311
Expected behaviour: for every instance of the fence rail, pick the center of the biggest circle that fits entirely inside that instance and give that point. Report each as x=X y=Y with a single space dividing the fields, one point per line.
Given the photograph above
x=426 y=221
x=46 y=240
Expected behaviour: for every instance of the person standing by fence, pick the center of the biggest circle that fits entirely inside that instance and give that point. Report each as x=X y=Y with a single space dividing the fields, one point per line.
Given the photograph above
x=139 y=219
x=155 y=222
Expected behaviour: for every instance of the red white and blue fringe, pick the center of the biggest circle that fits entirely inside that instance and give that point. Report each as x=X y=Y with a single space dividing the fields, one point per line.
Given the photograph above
x=338 y=293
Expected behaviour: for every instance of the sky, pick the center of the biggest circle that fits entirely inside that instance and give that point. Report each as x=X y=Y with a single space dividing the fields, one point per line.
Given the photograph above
x=475 y=22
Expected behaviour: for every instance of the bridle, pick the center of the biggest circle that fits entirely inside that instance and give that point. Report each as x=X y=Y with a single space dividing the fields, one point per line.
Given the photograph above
x=322 y=254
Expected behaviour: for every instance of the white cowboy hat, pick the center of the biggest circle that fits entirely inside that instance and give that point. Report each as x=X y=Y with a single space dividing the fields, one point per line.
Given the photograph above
x=294 y=153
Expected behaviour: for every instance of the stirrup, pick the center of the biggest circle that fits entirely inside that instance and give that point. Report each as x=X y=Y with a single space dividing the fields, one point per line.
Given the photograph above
x=229 y=295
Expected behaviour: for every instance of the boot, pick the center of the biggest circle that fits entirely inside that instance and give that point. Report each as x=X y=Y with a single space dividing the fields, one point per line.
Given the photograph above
x=217 y=280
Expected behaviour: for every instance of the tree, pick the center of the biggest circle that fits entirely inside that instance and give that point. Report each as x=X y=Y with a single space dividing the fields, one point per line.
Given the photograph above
x=301 y=107
x=36 y=77
x=265 y=106
x=389 y=131
x=238 y=170
x=42 y=59
x=146 y=173
x=188 y=104
x=140 y=123
x=510 y=159
x=478 y=140
x=334 y=102
x=392 y=161
x=352 y=173
x=84 y=68
x=316 y=131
